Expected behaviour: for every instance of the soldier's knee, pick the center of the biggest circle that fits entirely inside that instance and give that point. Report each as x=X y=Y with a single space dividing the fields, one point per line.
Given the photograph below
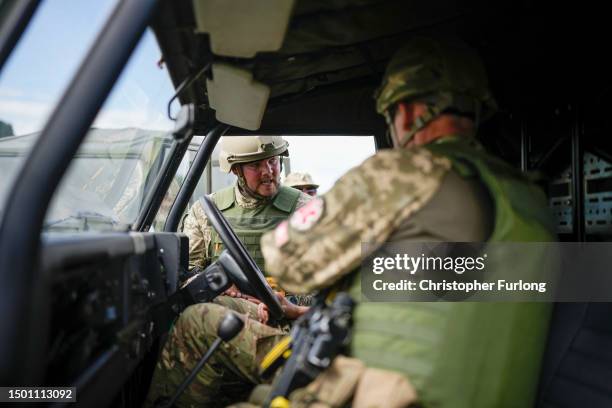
x=239 y=305
x=203 y=309
x=202 y=318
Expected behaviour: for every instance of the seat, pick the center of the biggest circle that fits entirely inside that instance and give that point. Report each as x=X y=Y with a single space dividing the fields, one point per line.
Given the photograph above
x=577 y=365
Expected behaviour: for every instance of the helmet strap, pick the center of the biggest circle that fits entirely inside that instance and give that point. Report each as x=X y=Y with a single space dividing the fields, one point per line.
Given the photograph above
x=390 y=127
x=244 y=189
x=436 y=105
x=420 y=122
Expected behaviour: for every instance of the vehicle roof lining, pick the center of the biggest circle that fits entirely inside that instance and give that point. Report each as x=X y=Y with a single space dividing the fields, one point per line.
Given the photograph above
x=334 y=42
x=338 y=109
x=328 y=43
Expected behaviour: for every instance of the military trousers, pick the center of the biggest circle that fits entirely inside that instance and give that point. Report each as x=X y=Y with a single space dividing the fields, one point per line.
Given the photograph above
x=232 y=371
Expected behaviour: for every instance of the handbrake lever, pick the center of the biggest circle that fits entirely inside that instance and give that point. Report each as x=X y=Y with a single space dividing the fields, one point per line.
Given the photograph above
x=229 y=327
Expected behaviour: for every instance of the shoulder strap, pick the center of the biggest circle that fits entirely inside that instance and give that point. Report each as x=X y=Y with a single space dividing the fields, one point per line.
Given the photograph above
x=224 y=198
x=286 y=199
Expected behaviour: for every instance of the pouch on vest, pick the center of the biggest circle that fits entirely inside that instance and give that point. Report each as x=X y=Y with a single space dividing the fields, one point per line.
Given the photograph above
x=348 y=379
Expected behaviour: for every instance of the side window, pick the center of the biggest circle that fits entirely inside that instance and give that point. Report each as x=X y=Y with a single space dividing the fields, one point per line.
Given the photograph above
x=325 y=158
x=175 y=185
x=212 y=180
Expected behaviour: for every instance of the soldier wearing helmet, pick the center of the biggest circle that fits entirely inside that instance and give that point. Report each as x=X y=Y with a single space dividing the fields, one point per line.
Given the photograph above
x=255 y=204
x=437 y=184
x=302 y=182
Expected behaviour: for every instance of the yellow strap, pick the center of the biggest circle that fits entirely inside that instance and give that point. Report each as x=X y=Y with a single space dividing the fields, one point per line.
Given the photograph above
x=280 y=402
x=277 y=351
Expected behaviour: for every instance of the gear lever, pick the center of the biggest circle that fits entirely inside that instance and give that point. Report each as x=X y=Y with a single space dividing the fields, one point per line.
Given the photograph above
x=229 y=327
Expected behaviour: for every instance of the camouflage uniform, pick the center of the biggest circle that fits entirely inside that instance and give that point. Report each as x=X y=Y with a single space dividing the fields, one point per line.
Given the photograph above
x=454 y=354
x=232 y=372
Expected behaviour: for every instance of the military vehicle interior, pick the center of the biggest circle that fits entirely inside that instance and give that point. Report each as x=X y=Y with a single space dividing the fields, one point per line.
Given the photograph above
x=91 y=310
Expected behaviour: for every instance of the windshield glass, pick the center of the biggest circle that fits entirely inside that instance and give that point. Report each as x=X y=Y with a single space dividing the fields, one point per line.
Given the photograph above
x=115 y=167
x=108 y=179
x=38 y=71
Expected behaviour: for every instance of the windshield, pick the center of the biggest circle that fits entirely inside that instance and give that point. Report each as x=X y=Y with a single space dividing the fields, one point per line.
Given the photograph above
x=38 y=71
x=108 y=179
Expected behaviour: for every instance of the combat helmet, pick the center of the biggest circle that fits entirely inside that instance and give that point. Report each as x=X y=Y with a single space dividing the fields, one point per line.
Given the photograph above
x=245 y=149
x=300 y=180
x=445 y=75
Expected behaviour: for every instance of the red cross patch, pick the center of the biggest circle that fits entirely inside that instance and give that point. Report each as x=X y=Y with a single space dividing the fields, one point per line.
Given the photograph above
x=307 y=216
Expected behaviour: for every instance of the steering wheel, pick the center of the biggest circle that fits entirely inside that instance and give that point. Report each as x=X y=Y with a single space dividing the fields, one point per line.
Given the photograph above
x=255 y=281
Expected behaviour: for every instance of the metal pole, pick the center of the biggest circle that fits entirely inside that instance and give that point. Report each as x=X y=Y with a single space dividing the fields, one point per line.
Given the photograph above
x=524 y=147
x=578 y=179
x=13 y=24
x=209 y=176
x=193 y=175
x=160 y=186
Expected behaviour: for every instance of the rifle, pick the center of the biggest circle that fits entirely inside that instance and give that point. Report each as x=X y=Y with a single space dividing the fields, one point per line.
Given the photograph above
x=315 y=340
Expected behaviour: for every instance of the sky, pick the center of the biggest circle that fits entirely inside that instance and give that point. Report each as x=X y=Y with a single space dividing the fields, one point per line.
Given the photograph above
x=48 y=55
x=53 y=46
x=327 y=158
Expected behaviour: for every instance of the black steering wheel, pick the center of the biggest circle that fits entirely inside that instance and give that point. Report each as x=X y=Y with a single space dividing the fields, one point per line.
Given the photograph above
x=255 y=281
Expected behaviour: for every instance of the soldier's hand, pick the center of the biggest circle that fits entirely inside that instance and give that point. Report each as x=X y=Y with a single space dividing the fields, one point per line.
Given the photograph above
x=262 y=313
x=291 y=311
x=233 y=291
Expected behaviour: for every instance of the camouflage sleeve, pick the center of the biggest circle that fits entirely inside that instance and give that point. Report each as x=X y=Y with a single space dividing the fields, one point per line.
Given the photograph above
x=322 y=241
x=301 y=300
x=199 y=232
x=303 y=199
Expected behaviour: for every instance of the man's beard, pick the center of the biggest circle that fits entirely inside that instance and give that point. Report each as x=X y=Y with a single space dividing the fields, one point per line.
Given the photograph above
x=269 y=181
x=248 y=192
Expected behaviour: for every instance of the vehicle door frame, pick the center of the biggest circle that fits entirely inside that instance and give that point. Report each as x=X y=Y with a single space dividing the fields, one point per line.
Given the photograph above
x=13 y=24
x=22 y=343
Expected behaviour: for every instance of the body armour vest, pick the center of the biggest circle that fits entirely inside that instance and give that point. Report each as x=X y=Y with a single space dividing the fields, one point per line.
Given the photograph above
x=467 y=354
x=250 y=223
